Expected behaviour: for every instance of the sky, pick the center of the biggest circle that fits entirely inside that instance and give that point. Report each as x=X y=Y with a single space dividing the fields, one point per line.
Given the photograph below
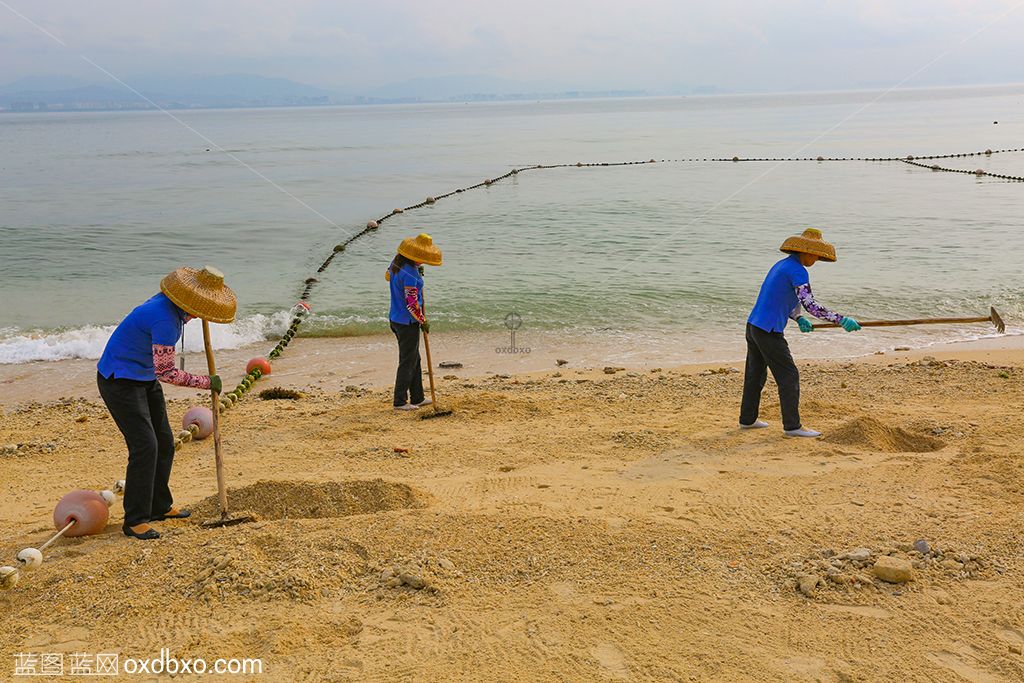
x=655 y=45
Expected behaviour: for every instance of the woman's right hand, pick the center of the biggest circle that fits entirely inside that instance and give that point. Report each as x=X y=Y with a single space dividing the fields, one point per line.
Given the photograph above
x=216 y=384
x=425 y=327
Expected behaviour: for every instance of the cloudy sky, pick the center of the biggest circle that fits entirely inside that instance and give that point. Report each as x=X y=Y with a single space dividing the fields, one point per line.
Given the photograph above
x=596 y=44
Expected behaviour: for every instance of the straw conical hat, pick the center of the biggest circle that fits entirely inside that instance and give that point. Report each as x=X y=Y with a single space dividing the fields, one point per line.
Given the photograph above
x=420 y=249
x=810 y=242
x=201 y=293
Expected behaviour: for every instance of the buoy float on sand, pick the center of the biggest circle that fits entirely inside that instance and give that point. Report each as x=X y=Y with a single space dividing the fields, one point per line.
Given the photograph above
x=202 y=417
x=259 y=362
x=85 y=508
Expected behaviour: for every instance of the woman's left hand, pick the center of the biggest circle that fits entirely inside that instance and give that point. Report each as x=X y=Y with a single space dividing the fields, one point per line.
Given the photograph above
x=849 y=324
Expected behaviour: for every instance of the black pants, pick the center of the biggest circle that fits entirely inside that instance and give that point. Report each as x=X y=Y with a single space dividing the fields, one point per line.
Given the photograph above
x=140 y=413
x=769 y=350
x=409 y=378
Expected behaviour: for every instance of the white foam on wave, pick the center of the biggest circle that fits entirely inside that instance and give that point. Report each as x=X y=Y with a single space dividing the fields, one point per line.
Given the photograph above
x=88 y=342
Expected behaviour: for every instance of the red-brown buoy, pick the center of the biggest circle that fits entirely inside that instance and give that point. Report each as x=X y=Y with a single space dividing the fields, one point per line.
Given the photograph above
x=258 y=362
x=87 y=509
x=201 y=417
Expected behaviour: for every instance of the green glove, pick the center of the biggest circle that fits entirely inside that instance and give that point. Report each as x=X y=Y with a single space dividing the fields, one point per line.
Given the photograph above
x=849 y=324
x=425 y=326
x=805 y=324
x=215 y=383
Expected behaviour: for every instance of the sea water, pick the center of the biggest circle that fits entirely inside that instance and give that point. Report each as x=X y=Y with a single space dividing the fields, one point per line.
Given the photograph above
x=96 y=207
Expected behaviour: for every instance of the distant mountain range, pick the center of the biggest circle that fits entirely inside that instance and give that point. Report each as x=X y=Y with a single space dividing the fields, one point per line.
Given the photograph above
x=66 y=93
x=241 y=90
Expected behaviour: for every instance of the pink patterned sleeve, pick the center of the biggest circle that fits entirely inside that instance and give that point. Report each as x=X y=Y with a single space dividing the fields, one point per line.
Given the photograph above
x=803 y=292
x=163 y=362
x=412 y=303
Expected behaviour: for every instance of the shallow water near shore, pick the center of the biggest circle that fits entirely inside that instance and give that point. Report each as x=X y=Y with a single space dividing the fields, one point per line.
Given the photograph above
x=664 y=256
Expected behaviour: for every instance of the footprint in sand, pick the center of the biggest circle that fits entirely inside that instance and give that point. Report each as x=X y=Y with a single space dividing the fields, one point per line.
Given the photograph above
x=611 y=659
x=70 y=639
x=963 y=664
x=859 y=610
x=565 y=591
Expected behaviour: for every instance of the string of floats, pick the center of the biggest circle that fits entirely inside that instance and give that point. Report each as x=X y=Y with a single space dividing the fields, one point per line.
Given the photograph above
x=302 y=310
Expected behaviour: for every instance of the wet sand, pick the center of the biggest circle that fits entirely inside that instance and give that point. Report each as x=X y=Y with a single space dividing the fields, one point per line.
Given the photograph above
x=366 y=362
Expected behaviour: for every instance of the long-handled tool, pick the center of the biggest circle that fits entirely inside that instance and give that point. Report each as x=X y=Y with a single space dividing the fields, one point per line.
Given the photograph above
x=222 y=491
x=437 y=412
x=993 y=317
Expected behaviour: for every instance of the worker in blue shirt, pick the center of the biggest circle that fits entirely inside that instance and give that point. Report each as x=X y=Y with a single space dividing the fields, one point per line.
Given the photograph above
x=407 y=316
x=786 y=288
x=139 y=356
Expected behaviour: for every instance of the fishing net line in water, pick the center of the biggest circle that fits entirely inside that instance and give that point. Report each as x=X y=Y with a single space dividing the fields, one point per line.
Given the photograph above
x=302 y=310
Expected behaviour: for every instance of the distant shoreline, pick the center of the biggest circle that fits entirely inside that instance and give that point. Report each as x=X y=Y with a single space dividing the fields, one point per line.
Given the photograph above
x=487 y=98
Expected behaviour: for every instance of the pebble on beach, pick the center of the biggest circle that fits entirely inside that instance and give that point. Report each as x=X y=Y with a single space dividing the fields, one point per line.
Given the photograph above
x=858 y=555
x=808 y=584
x=893 y=569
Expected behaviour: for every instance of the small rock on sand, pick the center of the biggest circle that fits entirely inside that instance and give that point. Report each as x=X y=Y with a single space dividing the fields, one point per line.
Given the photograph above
x=858 y=555
x=560 y=362
x=412 y=580
x=921 y=546
x=894 y=569
x=941 y=597
x=808 y=584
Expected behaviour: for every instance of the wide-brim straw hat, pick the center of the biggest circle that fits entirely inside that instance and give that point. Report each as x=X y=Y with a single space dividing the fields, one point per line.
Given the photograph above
x=420 y=249
x=810 y=242
x=201 y=293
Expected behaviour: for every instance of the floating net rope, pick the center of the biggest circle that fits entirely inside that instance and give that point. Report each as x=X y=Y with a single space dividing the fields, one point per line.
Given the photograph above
x=302 y=309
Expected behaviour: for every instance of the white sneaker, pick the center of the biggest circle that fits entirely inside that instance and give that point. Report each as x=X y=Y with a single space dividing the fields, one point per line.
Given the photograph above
x=804 y=433
x=407 y=406
x=757 y=424
x=424 y=402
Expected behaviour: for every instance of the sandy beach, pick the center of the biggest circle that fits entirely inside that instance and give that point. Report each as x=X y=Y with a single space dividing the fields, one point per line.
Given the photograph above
x=562 y=524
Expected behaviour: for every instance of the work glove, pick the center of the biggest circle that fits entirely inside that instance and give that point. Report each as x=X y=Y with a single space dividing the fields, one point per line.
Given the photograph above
x=805 y=324
x=215 y=383
x=425 y=326
x=849 y=324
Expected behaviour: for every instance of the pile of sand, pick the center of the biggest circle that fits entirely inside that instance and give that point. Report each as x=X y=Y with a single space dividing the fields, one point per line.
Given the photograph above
x=311 y=500
x=871 y=434
x=273 y=561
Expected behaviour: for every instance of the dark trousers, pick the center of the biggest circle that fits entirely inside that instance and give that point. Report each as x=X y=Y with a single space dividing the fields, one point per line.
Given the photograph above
x=769 y=350
x=140 y=413
x=409 y=378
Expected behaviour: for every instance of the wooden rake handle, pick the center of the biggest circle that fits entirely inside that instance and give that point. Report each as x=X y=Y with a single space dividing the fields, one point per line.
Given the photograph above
x=993 y=318
x=222 y=493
